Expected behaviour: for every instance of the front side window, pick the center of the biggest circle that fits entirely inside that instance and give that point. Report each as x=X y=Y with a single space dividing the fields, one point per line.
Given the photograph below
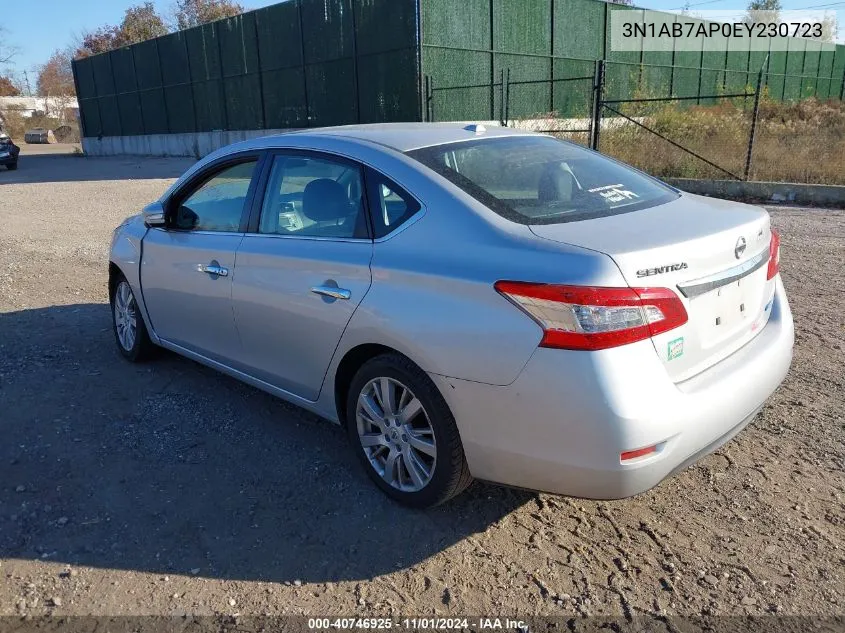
x=218 y=204
x=540 y=180
x=314 y=197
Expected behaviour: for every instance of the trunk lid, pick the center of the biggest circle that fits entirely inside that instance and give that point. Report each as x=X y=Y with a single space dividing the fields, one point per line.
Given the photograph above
x=712 y=253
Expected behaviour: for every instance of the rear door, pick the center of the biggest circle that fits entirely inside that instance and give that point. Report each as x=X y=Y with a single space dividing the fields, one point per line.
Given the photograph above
x=303 y=268
x=187 y=267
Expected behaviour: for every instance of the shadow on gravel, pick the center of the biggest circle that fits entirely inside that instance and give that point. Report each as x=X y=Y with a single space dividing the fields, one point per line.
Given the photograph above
x=172 y=468
x=46 y=168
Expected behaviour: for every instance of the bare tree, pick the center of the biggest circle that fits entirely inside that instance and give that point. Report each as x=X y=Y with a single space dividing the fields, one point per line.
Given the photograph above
x=7 y=51
x=188 y=13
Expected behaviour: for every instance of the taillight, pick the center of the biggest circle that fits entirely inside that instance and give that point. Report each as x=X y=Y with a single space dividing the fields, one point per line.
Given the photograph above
x=592 y=317
x=774 y=255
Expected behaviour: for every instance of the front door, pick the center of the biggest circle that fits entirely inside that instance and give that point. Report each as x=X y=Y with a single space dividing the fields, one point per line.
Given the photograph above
x=303 y=272
x=187 y=268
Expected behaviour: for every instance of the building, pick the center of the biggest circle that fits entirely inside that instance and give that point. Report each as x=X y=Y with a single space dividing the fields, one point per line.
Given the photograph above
x=61 y=107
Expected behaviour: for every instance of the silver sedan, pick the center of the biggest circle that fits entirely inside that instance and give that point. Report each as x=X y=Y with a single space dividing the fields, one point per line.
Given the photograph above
x=467 y=302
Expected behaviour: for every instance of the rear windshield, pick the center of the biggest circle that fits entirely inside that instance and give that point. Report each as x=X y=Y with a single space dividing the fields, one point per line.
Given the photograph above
x=541 y=180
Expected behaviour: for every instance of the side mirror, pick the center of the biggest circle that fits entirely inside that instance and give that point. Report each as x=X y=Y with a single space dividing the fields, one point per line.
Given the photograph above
x=154 y=215
x=185 y=219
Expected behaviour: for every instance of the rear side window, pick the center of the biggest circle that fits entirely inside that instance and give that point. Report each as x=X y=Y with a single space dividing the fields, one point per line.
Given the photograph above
x=540 y=180
x=390 y=205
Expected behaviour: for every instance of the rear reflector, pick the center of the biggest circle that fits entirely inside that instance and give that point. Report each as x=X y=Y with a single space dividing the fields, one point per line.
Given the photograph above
x=774 y=255
x=592 y=317
x=640 y=452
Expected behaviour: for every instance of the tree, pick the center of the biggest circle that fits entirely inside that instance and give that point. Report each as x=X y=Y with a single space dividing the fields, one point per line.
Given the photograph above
x=140 y=23
x=764 y=5
x=7 y=52
x=102 y=40
x=190 y=13
x=830 y=27
x=763 y=11
x=8 y=87
x=55 y=78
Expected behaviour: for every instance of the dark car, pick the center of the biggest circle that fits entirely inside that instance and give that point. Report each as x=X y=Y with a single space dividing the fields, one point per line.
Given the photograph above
x=8 y=152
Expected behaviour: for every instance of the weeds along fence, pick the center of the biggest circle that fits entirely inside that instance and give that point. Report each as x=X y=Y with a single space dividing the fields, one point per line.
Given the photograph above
x=733 y=128
x=740 y=131
x=665 y=136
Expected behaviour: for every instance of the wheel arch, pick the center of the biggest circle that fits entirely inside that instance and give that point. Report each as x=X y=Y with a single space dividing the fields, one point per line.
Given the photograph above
x=351 y=362
x=115 y=273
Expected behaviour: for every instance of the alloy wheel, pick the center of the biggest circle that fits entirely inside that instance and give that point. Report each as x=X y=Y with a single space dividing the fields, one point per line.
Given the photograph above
x=396 y=434
x=125 y=316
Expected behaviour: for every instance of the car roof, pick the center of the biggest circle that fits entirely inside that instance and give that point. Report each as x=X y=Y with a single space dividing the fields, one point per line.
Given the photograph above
x=402 y=137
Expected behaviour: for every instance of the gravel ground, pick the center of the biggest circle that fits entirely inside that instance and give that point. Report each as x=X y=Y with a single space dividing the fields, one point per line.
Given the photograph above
x=167 y=488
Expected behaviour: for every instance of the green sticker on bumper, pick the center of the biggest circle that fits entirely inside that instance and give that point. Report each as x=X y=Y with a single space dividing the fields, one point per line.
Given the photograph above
x=675 y=348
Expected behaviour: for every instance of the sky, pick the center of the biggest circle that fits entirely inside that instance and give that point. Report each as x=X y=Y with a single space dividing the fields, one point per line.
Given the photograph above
x=714 y=5
x=38 y=27
x=710 y=9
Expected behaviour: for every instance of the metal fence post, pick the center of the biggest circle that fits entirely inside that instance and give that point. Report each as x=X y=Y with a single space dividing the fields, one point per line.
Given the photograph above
x=507 y=95
x=429 y=97
x=842 y=88
x=754 y=115
x=598 y=104
x=426 y=116
x=502 y=120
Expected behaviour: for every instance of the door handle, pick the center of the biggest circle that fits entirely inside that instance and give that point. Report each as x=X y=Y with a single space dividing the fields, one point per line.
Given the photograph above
x=332 y=291
x=213 y=269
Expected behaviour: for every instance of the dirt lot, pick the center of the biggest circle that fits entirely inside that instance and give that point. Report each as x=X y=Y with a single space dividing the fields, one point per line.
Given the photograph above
x=167 y=488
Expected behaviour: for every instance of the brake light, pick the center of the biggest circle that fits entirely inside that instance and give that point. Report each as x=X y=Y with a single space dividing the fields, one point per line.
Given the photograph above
x=592 y=317
x=774 y=255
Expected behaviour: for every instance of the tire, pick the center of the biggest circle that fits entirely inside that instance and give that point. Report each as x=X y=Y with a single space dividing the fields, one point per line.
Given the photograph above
x=137 y=347
x=12 y=166
x=403 y=434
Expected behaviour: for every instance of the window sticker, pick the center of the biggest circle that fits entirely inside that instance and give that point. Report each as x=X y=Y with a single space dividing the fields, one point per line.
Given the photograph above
x=614 y=193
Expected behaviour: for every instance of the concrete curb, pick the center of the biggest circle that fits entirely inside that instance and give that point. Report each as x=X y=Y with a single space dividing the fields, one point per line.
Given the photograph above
x=769 y=192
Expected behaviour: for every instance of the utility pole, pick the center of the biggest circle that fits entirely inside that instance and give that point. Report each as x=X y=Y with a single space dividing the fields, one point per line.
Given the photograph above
x=26 y=81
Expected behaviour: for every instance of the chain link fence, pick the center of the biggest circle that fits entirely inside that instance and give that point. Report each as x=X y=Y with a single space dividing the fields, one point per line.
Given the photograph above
x=671 y=138
x=737 y=132
x=571 y=99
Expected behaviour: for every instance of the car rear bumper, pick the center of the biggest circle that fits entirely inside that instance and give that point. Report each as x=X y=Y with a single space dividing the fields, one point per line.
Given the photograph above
x=562 y=424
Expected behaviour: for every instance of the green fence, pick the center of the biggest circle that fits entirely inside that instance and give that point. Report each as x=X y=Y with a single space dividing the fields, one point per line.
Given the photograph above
x=307 y=63
x=296 y=64
x=470 y=42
